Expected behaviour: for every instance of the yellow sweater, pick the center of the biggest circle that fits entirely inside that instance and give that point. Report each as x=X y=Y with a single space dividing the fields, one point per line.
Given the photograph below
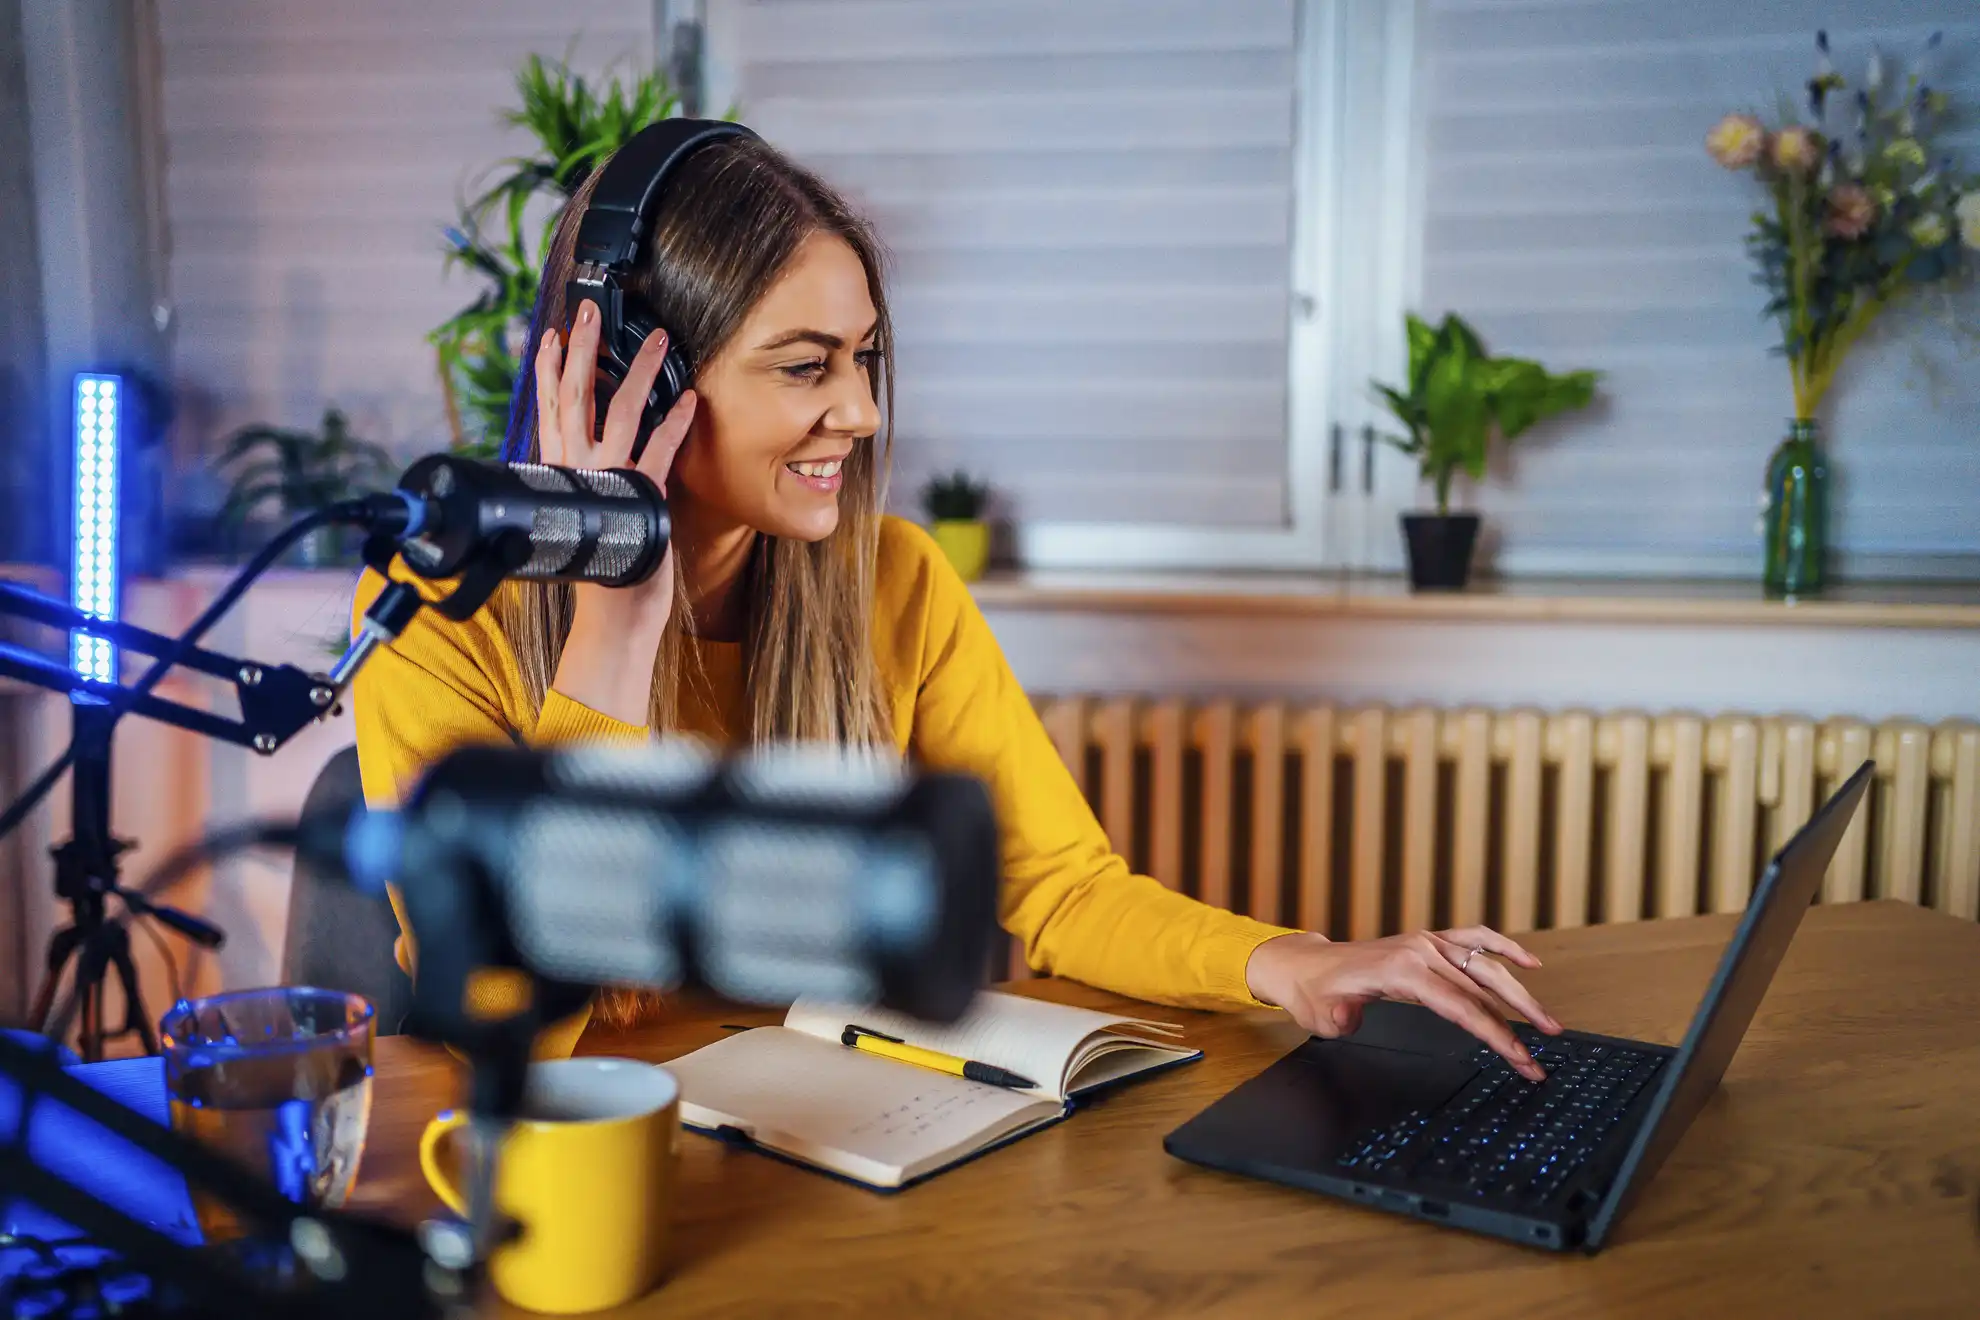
x=1068 y=896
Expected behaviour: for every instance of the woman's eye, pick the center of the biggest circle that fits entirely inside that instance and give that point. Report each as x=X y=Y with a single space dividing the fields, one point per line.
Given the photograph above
x=804 y=370
x=868 y=358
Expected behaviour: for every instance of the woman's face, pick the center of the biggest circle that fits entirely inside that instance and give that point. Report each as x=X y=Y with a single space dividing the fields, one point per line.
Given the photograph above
x=783 y=405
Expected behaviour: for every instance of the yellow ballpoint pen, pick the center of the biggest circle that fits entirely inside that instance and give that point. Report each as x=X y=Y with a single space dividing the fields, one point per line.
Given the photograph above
x=893 y=1047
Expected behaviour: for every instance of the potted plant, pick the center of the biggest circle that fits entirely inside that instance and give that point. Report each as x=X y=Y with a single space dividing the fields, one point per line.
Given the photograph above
x=1458 y=398
x=1864 y=209
x=955 y=511
x=300 y=471
x=576 y=125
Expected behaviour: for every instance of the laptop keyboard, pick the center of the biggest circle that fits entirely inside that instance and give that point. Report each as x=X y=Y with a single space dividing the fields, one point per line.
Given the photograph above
x=1505 y=1138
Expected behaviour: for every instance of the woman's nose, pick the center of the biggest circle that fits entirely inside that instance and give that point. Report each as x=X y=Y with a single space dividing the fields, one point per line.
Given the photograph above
x=853 y=409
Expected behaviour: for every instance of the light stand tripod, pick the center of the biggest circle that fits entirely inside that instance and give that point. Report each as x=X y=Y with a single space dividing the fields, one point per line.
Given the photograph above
x=276 y=703
x=85 y=878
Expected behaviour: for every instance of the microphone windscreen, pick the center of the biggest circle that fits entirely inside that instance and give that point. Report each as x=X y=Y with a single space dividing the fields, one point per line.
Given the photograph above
x=541 y=523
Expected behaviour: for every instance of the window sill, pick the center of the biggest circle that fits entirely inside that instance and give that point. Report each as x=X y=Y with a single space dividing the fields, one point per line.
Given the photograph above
x=1544 y=600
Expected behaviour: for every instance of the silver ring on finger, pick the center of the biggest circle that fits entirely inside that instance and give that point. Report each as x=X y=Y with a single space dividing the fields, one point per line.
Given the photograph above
x=1466 y=964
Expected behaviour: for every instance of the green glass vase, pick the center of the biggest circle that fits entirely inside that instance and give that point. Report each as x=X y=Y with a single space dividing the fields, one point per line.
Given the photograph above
x=1796 y=518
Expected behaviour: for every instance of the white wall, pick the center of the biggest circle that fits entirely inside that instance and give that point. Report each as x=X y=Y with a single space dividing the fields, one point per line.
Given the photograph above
x=1927 y=674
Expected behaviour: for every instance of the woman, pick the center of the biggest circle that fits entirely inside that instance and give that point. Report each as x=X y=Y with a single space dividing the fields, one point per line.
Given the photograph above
x=790 y=608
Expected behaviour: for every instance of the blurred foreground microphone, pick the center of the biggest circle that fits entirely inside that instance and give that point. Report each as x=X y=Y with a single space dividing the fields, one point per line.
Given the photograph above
x=546 y=524
x=784 y=871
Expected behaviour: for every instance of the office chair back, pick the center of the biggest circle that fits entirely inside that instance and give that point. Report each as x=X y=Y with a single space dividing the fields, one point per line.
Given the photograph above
x=339 y=938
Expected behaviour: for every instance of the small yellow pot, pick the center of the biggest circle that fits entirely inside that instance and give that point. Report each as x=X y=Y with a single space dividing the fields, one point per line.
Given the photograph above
x=967 y=544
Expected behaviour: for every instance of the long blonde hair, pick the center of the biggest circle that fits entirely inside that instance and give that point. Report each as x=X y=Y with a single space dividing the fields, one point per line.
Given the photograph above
x=733 y=217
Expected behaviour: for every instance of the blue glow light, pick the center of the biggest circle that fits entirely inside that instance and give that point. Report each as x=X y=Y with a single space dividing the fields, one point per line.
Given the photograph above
x=94 y=578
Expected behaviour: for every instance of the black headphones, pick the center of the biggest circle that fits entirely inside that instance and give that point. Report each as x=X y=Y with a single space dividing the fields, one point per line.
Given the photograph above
x=617 y=221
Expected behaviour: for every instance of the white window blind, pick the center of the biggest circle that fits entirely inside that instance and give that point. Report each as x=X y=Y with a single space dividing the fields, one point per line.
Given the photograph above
x=1570 y=211
x=1090 y=213
x=314 y=151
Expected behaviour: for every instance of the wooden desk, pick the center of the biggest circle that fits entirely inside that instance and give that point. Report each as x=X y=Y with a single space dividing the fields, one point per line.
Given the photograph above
x=1835 y=1173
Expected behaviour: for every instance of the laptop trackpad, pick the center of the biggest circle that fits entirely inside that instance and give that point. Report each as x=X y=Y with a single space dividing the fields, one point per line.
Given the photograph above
x=1302 y=1111
x=1411 y=1027
x=1358 y=1088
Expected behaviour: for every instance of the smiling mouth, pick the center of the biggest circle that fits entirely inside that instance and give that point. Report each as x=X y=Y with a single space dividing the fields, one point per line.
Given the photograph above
x=829 y=468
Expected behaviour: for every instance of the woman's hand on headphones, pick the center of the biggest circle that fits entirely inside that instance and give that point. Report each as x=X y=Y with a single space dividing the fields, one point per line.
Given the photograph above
x=567 y=407
x=607 y=662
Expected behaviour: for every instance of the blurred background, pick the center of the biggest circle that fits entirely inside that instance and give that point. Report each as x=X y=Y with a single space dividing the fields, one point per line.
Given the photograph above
x=1150 y=259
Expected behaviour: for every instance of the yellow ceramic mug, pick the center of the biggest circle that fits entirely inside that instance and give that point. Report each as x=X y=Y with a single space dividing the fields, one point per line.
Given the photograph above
x=588 y=1171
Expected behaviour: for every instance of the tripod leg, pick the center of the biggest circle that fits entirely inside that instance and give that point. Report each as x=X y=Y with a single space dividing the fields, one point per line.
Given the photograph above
x=136 y=1017
x=61 y=947
x=90 y=965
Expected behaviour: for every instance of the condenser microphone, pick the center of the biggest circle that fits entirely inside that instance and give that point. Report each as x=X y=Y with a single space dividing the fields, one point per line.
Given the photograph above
x=779 y=872
x=540 y=523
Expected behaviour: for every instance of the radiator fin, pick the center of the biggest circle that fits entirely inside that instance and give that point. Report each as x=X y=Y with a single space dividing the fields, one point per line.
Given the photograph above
x=1362 y=821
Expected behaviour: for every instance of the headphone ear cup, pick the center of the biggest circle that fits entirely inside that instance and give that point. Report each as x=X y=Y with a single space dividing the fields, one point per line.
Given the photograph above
x=672 y=382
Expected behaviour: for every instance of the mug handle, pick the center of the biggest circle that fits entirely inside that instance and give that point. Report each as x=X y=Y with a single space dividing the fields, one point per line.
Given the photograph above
x=438 y=1130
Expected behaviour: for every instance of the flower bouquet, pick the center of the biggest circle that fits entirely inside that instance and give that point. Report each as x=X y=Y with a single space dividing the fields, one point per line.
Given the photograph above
x=1866 y=210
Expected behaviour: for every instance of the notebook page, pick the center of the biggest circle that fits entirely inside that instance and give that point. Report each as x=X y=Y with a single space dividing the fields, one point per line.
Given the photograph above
x=1115 y=1059
x=1032 y=1037
x=871 y=1119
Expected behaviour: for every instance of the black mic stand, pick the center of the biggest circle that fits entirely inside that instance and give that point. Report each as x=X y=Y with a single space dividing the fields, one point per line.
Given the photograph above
x=276 y=703
x=359 y=1266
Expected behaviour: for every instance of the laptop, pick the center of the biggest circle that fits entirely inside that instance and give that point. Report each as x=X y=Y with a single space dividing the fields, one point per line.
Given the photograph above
x=1412 y=1115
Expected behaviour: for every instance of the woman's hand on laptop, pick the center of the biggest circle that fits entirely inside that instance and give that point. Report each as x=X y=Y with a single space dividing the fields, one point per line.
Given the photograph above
x=1323 y=983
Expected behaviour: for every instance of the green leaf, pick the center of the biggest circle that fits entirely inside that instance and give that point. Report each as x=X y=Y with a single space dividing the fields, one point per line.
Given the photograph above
x=1454 y=404
x=576 y=124
x=1406 y=409
x=1422 y=339
x=1529 y=394
x=1460 y=395
x=1462 y=336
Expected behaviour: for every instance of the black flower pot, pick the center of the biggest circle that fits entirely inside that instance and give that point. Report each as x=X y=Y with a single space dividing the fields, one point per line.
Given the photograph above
x=1440 y=549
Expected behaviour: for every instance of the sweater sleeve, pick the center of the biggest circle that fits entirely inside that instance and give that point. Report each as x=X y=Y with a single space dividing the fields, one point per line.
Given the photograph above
x=444 y=685
x=1068 y=896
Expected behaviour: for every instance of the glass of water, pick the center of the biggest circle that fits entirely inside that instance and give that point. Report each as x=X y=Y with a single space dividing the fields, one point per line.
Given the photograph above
x=279 y=1080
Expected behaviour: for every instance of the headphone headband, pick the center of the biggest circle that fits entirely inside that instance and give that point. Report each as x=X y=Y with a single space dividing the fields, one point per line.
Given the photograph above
x=615 y=222
x=623 y=203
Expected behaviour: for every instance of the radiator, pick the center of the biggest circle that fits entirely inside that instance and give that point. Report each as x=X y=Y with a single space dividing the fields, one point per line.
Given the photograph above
x=1364 y=821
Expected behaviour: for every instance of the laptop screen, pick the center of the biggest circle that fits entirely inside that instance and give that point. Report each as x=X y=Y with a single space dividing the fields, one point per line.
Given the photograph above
x=1786 y=889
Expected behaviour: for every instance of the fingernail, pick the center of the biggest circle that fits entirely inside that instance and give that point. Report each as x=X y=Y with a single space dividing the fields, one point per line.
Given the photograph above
x=588 y=312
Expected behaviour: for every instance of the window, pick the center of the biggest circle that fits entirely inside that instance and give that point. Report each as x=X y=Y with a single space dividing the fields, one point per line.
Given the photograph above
x=1569 y=209
x=1103 y=218
x=1149 y=253
x=1152 y=254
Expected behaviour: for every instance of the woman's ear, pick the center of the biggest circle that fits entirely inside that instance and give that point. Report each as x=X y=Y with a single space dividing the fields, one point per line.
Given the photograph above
x=691 y=458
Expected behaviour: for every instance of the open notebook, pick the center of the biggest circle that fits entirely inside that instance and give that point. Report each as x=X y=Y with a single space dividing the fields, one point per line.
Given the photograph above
x=795 y=1090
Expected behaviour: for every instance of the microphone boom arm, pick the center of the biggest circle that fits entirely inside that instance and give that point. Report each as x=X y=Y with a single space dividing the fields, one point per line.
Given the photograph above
x=277 y=701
